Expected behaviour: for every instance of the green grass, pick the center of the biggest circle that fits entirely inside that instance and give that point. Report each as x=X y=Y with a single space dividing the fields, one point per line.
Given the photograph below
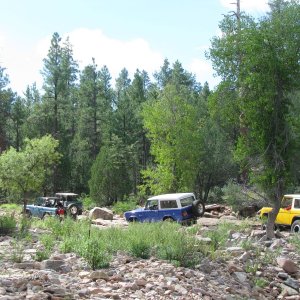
x=295 y=240
x=7 y=224
x=122 y=206
x=169 y=241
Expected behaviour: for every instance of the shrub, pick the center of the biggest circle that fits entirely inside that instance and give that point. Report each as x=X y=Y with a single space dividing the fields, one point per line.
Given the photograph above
x=296 y=242
x=88 y=203
x=95 y=254
x=238 y=197
x=121 y=206
x=24 y=226
x=18 y=252
x=7 y=224
x=41 y=255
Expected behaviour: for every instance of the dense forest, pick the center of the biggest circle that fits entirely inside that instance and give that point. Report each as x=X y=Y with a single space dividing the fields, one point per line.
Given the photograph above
x=139 y=136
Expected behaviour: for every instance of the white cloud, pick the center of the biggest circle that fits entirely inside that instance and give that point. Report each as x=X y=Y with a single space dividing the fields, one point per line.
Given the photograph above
x=25 y=64
x=204 y=72
x=257 y=6
x=115 y=54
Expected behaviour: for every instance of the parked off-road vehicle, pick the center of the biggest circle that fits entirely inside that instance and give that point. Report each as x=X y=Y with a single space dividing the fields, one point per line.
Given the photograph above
x=71 y=203
x=289 y=213
x=42 y=207
x=178 y=207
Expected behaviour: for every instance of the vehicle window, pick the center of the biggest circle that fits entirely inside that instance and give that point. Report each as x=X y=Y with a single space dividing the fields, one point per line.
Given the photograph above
x=286 y=203
x=187 y=201
x=152 y=204
x=39 y=201
x=168 y=204
x=297 y=203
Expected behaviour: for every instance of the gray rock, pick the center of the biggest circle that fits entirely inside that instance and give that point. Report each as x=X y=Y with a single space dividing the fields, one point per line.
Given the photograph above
x=52 y=264
x=288 y=291
x=100 y=213
x=292 y=283
x=240 y=276
x=98 y=275
x=282 y=275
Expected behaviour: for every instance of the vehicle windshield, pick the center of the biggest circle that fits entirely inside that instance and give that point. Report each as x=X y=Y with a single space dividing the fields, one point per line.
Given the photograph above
x=187 y=201
x=152 y=204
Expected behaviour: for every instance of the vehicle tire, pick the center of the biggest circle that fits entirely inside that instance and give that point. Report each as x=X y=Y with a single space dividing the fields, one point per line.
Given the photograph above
x=45 y=216
x=28 y=213
x=264 y=227
x=73 y=210
x=168 y=219
x=198 y=208
x=296 y=226
x=132 y=220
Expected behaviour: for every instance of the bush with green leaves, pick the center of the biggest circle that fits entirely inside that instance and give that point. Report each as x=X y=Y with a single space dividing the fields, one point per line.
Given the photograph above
x=238 y=196
x=295 y=241
x=88 y=203
x=7 y=224
x=122 y=206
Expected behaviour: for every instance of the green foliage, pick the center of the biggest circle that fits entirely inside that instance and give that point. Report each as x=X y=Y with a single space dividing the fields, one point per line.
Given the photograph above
x=27 y=170
x=172 y=126
x=122 y=206
x=109 y=175
x=261 y=282
x=233 y=195
x=41 y=255
x=24 y=226
x=7 y=224
x=95 y=254
x=220 y=235
x=88 y=203
x=17 y=254
x=140 y=248
x=295 y=241
x=251 y=56
x=47 y=241
x=166 y=240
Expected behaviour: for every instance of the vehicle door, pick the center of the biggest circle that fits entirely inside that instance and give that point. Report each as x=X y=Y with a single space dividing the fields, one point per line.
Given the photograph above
x=284 y=216
x=295 y=209
x=150 y=212
x=169 y=209
x=37 y=210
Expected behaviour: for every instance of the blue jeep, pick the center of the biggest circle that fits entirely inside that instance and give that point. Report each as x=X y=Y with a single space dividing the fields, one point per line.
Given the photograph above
x=43 y=207
x=179 y=207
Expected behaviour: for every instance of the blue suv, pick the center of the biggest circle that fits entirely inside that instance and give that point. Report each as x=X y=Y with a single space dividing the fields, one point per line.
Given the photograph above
x=179 y=207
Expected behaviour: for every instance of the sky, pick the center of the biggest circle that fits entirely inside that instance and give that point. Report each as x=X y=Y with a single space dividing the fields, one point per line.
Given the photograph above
x=132 y=34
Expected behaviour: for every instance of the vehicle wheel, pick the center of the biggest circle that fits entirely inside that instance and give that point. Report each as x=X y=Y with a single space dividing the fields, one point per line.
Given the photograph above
x=73 y=210
x=264 y=227
x=28 y=213
x=132 y=220
x=45 y=216
x=296 y=227
x=168 y=219
x=198 y=208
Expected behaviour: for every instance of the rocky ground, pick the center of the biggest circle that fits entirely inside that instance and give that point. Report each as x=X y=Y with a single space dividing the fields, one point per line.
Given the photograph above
x=235 y=273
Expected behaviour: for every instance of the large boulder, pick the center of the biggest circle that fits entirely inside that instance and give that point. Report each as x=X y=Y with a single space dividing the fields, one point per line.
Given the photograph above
x=100 y=213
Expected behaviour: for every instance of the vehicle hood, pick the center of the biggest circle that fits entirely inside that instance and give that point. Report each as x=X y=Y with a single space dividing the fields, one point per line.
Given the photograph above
x=134 y=210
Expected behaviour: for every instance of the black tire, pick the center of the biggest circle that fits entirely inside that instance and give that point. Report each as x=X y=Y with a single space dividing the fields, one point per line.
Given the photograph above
x=73 y=210
x=198 y=208
x=132 y=220
x=296 y=226
x=168 y=219
x=28 y=213
x=45 y=216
